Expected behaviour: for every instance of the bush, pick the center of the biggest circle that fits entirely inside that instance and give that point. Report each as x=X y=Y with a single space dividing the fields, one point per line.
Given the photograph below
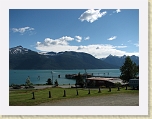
x=49 y=82
x=79 y=80
x=118 y=84
x=56 y=83
x=16 y=87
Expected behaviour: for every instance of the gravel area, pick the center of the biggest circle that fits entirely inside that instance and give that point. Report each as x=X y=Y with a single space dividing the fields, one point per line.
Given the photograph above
x=106 y=100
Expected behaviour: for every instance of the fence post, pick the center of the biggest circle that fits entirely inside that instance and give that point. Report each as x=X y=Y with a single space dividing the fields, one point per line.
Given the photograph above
x=118 y=89
x=33 y=95
x=89 y=91
x=77 y=92
x=99 y=90
x=64 y=94
x=50 y=94
x=109 y=89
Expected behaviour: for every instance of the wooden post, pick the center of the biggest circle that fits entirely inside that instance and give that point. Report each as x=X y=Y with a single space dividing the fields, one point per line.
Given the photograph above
x=49 y=94
x=64 y=94
x=126 y=87
x=99 y=90
x=77 y=92
x=109 y=89
x=33 y=95
x=89 y=91
x=118 y=89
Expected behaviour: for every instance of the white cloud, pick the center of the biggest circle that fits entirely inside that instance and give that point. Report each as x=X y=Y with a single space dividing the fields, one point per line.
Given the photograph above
x=78 y=38
x=118 y=10
x=81 y=47
x=51 y=42
x=97 y=50
x=22 y=30
x=87 y=38
x=120 y=46
x=136 y=44
x=91 y=15
x=112 y=38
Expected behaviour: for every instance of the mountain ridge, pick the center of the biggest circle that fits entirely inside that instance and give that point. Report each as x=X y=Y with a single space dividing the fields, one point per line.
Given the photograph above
x=119 y=60
x=23 y=58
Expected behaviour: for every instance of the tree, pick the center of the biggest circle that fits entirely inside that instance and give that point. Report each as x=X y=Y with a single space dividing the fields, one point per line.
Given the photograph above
x=129 y=70
x=79 y=80
x=49 y=82
x=135 y=70
x=56 y=82
x=28 y=82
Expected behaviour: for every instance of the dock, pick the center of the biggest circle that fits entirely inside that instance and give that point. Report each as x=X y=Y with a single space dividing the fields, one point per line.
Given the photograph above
x=74 y=76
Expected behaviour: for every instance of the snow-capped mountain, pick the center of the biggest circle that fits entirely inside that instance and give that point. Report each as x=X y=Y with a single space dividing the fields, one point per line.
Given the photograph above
x=47 y=53
x=23 y=58
x=50 y=53
x=18 y=50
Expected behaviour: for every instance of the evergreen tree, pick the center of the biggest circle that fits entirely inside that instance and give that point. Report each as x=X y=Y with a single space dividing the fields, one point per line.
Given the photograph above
x=28 y=82
x=49 y=82
x=135 y=70
x=129 y=70
x=56 y=82
x=79 y=80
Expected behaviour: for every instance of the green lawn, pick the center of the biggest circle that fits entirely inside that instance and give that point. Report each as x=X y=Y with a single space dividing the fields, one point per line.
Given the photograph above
x=24 y=97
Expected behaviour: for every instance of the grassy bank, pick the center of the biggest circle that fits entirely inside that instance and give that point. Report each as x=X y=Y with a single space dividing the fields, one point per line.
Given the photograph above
x=24 y=97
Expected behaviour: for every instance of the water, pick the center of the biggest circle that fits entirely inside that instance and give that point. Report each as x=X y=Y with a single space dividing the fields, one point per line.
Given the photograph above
x=20 y=76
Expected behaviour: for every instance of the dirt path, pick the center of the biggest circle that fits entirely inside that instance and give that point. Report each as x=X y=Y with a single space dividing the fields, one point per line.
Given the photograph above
x=107 y=100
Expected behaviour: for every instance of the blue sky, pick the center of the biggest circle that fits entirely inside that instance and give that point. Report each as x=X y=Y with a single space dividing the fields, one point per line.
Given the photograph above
x=99 y=32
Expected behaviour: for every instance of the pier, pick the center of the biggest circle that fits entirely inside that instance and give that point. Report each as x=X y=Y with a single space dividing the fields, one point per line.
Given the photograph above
x=73 y=76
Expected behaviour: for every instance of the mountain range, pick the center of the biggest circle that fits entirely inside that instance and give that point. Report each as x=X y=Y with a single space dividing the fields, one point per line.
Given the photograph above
x=118 y=61
x=23 y=58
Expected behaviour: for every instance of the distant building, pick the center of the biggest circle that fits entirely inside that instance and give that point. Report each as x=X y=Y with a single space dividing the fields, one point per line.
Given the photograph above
x=99 y=81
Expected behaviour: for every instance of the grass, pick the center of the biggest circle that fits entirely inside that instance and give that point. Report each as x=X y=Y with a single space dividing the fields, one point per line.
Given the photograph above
x=24 y=97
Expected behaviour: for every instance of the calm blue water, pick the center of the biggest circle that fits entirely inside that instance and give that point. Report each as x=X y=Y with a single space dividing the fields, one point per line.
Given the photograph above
x=20 y=76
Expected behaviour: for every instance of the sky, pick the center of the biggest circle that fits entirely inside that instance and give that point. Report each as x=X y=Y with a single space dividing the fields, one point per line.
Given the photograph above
x=99 y=32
